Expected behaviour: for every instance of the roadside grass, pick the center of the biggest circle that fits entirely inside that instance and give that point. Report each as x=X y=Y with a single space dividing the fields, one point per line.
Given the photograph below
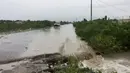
x=105 y=35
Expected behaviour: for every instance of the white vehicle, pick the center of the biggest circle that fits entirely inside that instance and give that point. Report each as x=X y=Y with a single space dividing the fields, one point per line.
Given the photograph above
x=57 y=24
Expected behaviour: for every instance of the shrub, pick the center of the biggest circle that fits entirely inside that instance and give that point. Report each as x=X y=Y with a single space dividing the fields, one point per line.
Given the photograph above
x=104 y=35
x=73 y=67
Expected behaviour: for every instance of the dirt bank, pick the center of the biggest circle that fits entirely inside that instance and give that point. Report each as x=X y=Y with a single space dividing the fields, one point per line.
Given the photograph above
x=35 y=64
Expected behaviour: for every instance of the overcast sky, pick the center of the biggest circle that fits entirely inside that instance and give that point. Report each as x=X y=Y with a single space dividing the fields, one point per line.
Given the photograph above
x=62 y=9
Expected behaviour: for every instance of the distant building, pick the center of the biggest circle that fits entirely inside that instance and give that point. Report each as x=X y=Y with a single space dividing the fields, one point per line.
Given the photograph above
x=124 y=19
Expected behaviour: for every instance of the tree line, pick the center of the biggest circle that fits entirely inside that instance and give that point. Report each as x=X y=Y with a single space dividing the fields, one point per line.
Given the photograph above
x=10 y=25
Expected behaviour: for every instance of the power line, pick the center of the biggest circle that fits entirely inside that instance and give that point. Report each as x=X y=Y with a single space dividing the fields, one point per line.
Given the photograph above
x=113 y=6
x=107 y=11
x=100 y=5
x=91 y=7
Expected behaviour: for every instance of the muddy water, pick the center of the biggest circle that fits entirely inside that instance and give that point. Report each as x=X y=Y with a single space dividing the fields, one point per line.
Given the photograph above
x=57 y=39
x=36 y=42
x=50 y=40
x=12 y=45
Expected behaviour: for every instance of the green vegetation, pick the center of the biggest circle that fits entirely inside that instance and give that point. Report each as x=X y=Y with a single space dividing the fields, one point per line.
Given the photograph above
x=105 y=35
x=8 y=25
x=73 y=67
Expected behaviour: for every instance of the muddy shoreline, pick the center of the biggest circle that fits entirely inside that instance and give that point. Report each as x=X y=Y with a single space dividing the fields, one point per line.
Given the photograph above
x=37 y=64
x=27 y=58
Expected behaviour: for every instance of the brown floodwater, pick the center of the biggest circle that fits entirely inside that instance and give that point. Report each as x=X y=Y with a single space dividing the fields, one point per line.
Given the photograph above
x=50 y=40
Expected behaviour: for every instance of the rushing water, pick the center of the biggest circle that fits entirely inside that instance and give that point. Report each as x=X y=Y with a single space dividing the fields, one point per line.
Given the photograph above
x=34 y=42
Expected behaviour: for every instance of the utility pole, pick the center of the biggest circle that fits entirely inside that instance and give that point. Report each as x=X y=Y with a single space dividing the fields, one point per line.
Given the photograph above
x=91 y=17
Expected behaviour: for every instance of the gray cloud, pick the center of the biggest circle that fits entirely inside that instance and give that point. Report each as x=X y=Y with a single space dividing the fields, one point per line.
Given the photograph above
x=62 y=9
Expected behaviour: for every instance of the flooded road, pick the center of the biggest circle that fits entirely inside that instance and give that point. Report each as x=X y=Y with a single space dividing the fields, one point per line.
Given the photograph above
x=12 y=45
x=50 y=40
x=36 y=42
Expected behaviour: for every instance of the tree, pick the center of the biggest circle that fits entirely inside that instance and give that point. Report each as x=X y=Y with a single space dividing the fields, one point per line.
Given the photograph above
x=105 y=17
x=85 y=20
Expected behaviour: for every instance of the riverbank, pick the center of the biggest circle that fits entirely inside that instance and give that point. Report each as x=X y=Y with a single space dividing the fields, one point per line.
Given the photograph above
x=40 y=64
x=30 y=64
x=53 y=63
x=105 y=35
